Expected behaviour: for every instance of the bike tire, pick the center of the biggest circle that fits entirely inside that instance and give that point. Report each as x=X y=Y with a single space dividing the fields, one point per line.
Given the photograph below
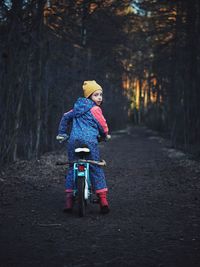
x=81 y=198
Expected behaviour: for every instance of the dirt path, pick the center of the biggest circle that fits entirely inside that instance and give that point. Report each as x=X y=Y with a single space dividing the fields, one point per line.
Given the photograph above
x=154 y=219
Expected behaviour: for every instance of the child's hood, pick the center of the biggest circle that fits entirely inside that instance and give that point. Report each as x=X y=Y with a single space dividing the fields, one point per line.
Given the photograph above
x=82 y=105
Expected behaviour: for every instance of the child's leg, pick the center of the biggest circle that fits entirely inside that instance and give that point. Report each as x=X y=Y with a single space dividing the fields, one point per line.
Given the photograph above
x=99 y=184
x=98 y=179
x=68 y=202
x=69 y=191
x=104 y=207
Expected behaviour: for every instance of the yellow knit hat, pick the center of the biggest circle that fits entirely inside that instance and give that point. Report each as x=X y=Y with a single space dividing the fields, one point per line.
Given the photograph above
x=89 y=87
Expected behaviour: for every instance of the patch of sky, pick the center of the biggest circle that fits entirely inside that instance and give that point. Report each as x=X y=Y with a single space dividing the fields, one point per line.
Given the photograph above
x=8 y=3
x=138 y=10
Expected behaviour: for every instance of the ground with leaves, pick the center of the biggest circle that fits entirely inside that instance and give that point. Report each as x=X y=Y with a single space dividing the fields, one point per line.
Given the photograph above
x=154 y=195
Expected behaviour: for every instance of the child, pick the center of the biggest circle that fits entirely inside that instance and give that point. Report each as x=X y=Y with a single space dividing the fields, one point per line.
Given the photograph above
x=88 y=123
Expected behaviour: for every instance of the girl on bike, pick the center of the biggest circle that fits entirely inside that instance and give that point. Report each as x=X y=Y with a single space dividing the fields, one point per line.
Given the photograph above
x=88 y=123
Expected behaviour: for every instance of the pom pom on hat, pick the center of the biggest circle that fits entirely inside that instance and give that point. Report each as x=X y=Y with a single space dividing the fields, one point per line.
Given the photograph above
x=89 y=87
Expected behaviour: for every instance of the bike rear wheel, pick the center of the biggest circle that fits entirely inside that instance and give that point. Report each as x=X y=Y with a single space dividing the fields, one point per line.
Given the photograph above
x=81 y=198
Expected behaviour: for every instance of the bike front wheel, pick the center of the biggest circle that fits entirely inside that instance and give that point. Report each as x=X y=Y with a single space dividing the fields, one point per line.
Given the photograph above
x=81 y=197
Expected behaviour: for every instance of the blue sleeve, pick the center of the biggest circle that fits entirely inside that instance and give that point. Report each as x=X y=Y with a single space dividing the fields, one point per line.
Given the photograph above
x=65 y=121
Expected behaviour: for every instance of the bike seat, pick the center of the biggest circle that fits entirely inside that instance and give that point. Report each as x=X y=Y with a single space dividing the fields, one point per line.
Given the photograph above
x=82 y=150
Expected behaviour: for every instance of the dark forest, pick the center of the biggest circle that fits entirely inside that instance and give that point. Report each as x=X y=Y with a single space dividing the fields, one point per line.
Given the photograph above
x=145 y=54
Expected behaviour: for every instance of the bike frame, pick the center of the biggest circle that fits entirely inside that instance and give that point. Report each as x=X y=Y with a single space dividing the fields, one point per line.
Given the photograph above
x=82 y=173
x=82 y=182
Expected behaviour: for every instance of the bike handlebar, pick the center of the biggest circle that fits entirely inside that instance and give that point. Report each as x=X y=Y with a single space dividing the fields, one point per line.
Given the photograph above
x=105 y=139
x=99 y=163
x=64 y=137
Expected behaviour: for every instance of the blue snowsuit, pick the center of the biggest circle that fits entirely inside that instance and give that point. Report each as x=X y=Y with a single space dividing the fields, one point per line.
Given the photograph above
x=87 y=124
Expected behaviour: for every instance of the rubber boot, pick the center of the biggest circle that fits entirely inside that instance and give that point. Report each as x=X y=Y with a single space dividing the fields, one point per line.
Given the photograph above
x=68 y=202
x=103 y=202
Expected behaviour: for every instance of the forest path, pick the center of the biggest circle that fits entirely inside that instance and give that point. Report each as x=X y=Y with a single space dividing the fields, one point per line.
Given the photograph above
x=154 y=219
